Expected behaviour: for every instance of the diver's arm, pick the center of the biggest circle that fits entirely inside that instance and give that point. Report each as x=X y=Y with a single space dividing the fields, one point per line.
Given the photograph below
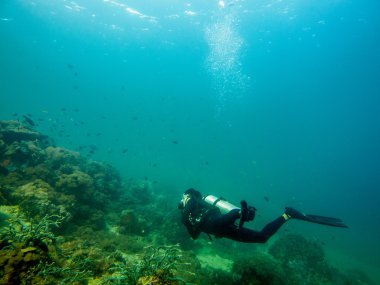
x=194 y=233
x=191 y=229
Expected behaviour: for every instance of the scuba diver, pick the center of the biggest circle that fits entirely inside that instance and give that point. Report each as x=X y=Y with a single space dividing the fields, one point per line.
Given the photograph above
x=215 y=216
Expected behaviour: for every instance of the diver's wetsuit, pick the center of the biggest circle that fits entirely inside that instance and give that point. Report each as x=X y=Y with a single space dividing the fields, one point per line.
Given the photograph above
x=201 y=217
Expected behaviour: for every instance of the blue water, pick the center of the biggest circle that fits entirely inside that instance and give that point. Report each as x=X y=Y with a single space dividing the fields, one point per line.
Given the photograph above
x=277 y=102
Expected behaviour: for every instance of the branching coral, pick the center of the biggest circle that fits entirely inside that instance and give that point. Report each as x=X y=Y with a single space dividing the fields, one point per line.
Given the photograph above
x=66 y=274
x=25 y=246
x=29 y=254
x=32 y=233
x=157 y=265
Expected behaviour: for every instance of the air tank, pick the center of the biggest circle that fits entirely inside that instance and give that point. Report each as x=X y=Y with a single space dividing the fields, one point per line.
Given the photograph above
x=223 y=205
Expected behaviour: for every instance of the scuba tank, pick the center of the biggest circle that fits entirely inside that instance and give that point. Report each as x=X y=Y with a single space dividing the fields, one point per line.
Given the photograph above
x=223 y=205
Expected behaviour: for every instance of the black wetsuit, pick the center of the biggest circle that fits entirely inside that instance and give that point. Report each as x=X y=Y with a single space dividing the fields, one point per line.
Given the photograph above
x=198 y=216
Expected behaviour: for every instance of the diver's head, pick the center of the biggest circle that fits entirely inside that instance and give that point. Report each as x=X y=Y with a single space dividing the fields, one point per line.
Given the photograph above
x=189 y=195
x=193 y=193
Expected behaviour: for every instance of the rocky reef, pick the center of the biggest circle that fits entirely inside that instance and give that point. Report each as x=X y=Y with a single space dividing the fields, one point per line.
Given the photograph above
x=44 y=179
x=66 y=219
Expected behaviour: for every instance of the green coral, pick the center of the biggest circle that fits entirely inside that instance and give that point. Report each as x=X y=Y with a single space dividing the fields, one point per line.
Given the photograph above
x=157 y=265
x=29 y=253
x=23 y=247
x=35 y=233
x=259 y=269
x=303 y=258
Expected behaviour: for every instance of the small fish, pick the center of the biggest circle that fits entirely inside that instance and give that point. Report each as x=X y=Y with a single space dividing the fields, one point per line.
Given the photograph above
x=93 y=147
x=29 y=120
x=70 y=66
x=266 y=198
x=174 y=141
x=124 y=150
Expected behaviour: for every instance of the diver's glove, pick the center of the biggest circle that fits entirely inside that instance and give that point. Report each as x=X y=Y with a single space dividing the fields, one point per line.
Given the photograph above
x=247 y=213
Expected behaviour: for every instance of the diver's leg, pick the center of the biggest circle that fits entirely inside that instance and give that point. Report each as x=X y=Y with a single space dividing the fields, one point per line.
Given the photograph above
x=251 y=236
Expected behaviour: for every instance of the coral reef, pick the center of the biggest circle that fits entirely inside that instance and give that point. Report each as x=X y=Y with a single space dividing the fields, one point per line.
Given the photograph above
x=27 y=248
x=130 y=224
x=304 y=259
x=43 y=178
x=65 y=219
x=40 y=199
x=157 y=265
x=259 y=269
x=13 y=131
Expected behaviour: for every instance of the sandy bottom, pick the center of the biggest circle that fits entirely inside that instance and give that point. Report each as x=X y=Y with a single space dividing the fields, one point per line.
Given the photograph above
x=215 y=261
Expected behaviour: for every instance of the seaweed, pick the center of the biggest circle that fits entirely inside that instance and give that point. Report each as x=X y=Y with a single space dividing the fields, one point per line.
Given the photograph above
x=157 y=264
x=30 y=254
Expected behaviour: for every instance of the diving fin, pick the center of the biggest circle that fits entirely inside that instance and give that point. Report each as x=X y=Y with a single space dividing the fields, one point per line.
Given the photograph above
x=328 y=221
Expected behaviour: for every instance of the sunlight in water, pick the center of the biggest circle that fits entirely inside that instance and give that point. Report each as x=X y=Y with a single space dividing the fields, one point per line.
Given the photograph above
x=224 y=60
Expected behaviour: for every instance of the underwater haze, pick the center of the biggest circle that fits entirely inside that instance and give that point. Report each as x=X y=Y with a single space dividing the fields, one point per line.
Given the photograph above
x=276 y=102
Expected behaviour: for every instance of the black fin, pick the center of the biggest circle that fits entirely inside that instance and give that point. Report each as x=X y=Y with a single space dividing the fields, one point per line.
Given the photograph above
x=328 y=221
